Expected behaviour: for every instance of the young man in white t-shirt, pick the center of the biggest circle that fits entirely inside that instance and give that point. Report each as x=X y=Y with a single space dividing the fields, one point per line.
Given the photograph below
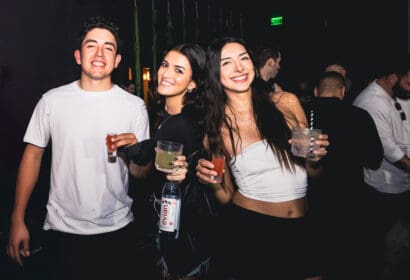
x=88 y=220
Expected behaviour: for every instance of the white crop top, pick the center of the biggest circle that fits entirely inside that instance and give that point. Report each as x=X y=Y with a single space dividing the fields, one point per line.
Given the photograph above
x=259 y=176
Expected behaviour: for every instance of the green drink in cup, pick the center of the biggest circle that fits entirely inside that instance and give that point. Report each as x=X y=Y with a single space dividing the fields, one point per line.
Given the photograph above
x=166 y=151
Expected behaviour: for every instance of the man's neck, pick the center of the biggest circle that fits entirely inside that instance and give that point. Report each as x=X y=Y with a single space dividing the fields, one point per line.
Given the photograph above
x=264 y=75
x=383 y=83
x=95 y=85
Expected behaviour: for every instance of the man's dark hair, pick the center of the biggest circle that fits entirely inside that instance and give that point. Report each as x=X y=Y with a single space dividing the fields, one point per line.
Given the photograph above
x=330 y=81
x=391 y=65
x=99 y=22
x=264 y=52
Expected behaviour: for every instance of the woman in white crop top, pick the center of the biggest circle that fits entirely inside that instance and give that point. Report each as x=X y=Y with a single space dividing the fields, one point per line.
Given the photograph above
x=264 y=186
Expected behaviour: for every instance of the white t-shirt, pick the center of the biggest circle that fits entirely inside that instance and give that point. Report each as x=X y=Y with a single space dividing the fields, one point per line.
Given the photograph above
x=88 y=194
x=394 y=134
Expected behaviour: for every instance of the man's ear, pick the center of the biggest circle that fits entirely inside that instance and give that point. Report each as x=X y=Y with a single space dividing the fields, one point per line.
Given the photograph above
x=117 y=60
x=315 y=92
x=343 y=92
x=77 y=56
x=392 y=79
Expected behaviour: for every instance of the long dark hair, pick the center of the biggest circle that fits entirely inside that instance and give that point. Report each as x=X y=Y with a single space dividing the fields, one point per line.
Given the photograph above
x=269 y=120
x=193 y=101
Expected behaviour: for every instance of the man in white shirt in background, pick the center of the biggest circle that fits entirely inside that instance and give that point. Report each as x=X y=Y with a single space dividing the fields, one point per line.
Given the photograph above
x=390 y=184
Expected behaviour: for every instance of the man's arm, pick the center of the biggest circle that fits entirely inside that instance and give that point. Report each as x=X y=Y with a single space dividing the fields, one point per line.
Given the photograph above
x=140 y=171
x=372 y=148
x=26 y=180
x=403 y=163
x=289 y=104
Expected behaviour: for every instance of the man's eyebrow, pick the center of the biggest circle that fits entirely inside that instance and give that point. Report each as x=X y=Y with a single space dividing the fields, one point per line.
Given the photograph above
x=105 y=43
x=89 y=41
x=111 y=44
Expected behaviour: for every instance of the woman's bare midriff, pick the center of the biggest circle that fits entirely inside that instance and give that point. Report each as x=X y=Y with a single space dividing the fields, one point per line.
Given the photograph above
x=287 y=209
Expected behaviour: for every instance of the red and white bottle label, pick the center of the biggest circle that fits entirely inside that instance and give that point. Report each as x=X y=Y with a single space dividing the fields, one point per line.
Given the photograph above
x=169 y=219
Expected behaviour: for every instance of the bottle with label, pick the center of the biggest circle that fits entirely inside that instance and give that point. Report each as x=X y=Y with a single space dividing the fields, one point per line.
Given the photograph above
x=170 y=210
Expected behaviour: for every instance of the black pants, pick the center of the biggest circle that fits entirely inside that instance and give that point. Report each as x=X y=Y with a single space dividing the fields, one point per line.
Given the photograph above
x=256 y=246
x=113 y=255
x=388 y=209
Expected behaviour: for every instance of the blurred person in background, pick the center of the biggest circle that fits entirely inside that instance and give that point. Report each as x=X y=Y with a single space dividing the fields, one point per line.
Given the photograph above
x=389 y=185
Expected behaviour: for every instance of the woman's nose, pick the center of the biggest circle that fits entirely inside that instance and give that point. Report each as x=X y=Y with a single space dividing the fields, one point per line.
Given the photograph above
x=239 y=67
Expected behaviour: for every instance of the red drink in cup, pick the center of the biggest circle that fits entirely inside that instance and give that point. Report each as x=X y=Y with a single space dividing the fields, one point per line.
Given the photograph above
x=219 y=163
x=111 y=152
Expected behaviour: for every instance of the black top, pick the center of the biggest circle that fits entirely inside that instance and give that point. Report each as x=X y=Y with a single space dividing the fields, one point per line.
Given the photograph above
x=354 y=144
x=181 y=129
x=198 y=203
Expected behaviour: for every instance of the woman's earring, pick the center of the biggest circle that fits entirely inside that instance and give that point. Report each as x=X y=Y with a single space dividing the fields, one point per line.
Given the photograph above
x=189 y=90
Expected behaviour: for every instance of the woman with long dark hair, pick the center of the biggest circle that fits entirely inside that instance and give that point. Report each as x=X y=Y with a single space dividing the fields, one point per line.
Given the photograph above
x=176 y=114
x=265 y=232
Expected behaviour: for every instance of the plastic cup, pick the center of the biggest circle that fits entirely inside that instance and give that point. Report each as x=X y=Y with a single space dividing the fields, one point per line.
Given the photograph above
x=166 y=152
x=303 y=142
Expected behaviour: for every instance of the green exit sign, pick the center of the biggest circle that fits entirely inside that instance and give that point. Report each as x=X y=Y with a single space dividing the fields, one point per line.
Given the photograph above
x=275 y=21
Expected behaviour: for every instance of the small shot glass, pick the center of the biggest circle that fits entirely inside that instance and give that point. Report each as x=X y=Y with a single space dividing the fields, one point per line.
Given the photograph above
x=111 y=152
x=219 y=163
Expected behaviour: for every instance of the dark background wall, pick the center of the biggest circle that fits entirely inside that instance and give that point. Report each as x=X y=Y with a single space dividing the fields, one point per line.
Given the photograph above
x=37 y=42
